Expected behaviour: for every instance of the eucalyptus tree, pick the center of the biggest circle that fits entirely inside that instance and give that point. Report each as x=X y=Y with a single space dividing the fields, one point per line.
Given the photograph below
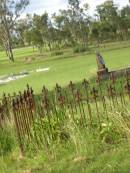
x=10 y=11
x=74 y=21
x=79 y=22
x=109 y=18
x=42 y=32
x=125 y=22
x=62 y=32
x=95 y=34
x=23 y=29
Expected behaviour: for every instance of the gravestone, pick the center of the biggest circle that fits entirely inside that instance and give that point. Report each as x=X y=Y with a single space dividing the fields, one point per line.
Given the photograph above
x=102 y=69
x=103 y=72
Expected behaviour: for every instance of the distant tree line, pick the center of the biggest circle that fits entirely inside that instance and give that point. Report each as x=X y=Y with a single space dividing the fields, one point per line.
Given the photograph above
x=68 y=28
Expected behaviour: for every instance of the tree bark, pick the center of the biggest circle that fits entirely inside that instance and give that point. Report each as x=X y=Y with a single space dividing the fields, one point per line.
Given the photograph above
x=11 y=56
x=8 y=40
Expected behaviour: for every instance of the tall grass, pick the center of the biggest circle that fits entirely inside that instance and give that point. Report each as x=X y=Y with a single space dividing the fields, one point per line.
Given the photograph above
x=73 y=148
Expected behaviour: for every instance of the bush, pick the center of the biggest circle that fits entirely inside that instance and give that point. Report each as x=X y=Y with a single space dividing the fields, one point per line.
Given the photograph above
x=57 y=53
x=110 y=133
x=6 y=141
x=83 y=49
x=76 y=50
x=79 y=49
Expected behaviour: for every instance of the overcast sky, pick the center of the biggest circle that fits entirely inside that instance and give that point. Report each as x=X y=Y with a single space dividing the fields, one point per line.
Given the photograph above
x=51 y=6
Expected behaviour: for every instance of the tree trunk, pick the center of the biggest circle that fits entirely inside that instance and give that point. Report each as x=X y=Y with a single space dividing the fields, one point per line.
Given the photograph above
x=10 y=52
x=8 y=40
x=49 y=45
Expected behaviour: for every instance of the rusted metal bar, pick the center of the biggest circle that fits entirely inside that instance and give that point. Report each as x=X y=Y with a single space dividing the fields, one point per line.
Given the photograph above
x=20 y=139
x=94 y=93
x=86 y=87
x=72 y=89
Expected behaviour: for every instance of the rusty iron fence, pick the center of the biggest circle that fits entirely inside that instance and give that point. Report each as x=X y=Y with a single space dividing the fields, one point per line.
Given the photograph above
x=36 y=117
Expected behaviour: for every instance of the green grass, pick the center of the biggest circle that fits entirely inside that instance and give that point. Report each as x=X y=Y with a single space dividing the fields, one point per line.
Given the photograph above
x=86 y=152
x=63 y=68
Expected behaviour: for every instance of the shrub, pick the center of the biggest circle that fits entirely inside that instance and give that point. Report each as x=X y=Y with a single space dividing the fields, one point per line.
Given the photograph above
x=110 y=133
x=76 y=49
x=83 y=49
x=79 y=49
x=57 y=53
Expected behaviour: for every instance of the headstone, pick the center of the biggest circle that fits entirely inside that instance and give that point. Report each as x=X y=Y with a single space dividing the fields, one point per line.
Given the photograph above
x=103 y=72
x=100 y=62
x=102 y=69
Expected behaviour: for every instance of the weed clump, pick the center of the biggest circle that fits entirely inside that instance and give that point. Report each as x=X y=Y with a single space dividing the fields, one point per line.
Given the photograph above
x=79 y=49
x=57 y=53
x=7 y=141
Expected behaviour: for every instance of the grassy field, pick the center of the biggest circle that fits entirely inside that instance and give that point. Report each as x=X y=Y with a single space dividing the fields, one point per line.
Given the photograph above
x=63 y=68
x=86 y=150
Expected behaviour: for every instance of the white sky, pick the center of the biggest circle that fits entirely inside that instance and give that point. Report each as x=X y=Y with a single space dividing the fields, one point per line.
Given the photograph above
x=51 y=6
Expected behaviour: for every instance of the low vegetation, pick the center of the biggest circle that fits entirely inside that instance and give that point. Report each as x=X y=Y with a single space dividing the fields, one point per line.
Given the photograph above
x=53 y=125
x=82 y=150
x=81 y=134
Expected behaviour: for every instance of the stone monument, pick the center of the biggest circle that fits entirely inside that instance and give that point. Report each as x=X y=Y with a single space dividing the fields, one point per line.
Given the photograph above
x=102 y=69
x=103 y=73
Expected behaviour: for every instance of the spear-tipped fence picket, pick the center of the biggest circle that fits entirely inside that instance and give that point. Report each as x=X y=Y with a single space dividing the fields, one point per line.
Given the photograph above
x=86 y=105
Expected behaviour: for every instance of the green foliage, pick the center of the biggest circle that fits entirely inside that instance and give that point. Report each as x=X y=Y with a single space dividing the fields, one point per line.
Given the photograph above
x=71 y=26
x=85 y=150
x=7 y=141
x=110 y=133
x=57 y=53
x=79 y=49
